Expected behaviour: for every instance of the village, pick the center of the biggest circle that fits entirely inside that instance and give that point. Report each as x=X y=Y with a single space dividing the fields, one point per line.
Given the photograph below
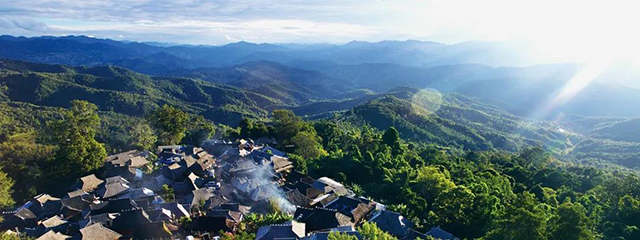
x=187 y=192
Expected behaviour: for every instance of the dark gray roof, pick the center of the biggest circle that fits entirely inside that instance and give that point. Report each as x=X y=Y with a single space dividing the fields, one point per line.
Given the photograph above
x=290 y=230
x=392 y=222
x=98 y=232
x=320 y=218
x=438 y=233
x=296 y=198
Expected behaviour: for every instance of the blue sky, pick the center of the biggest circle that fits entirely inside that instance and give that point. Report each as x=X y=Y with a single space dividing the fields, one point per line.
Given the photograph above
x=326 y=21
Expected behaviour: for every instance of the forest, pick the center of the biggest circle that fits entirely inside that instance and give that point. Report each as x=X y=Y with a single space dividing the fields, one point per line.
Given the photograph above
x=470 y=168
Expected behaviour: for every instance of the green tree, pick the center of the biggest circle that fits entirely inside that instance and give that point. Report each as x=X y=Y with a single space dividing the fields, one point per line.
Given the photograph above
x=22 y=158
x=308 y=145
x=6 y=185
x=391 y=138
x=431 y=181
x=524 y=219
x=167 y=193
x=245 y=125
x=629 y=210
x=571 y=222
x=286 y=124
x=199 y=129
x=341 y=236
x=370 y=231
x=142 y=137
x=78 y=151
x=453 y=208
x=171 y=123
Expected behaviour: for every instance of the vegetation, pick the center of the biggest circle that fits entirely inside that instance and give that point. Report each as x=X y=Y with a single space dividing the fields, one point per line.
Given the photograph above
x=440 y=160
x=78 y=151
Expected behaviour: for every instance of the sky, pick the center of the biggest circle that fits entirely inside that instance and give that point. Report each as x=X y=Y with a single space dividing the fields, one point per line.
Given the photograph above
x=321 y=21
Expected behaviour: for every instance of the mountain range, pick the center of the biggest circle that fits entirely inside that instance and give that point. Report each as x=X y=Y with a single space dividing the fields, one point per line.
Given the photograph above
x=294 y=75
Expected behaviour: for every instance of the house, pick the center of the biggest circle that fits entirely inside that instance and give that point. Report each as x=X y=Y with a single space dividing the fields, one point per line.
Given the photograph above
x=138 y=193
x=289 y=230
x=392 y=222
x=234 y=207
x=324 y=235
x=438 y=233
x=113 y=189
x=160 y=215
x=202 y=165
x=76 y=193
x=22 y=218
x=234 y=216
x=129 y=221
x=320 y=218
x=133 y=158
x=328 y=185
x=52 y=235
x=351 y=207
x=271 y=150
x=189 y=184
x=306 y=189
x=177 y=210
x=88 y=183
x=155 y=230
x=175 y=172
x=324 y=200
x=129 y=173
x=54 y=223
x=98 y=232
x=212 y=224
x=296 y=198
x=113 y=206
x=295 y=177
x=106 y=219
x=43 y=206
x=72 y=207
x=281 y=164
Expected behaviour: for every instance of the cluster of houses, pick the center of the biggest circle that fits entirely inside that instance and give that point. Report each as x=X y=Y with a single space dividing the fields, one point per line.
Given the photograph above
x=186 y=192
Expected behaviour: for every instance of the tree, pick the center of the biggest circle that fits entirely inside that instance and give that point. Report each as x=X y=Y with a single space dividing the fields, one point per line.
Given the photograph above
x=287 y=124
x=78 y=151
x=341 y=236
x=142 y=137
x=245 y=125
x=629 y=210
x=22 y=158
x=571 y=222
x=430 y=182
x=171 y=123
x=523 y=219
x=199 y=130
x=167 y=193
x=6 y=185
x=370 y=231
x=308 y=145
x=453 y=208
x=391 y=138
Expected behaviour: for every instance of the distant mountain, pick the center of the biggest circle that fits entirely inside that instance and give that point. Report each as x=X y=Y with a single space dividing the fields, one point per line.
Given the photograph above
x=330 y=70
x=288 y=84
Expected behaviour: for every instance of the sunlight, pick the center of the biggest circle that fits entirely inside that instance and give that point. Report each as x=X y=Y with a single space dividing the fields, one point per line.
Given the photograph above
x=581 y=80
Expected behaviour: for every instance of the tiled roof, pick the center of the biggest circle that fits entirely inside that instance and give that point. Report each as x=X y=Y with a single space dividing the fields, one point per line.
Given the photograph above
x=98 y=232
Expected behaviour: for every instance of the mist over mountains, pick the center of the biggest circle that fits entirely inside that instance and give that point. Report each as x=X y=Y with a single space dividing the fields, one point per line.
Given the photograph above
x=496 y=73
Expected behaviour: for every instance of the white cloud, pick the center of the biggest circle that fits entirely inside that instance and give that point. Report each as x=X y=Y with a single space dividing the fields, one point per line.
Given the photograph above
x=221 y=21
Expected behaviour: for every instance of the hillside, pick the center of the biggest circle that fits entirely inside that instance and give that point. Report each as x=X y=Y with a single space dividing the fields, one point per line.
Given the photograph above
x=123 y=91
